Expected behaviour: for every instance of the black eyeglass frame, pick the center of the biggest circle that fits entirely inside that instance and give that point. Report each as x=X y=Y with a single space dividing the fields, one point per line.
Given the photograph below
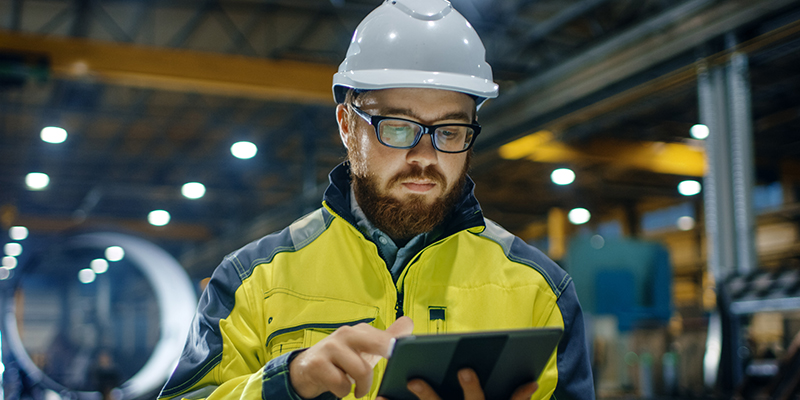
x=375 y=121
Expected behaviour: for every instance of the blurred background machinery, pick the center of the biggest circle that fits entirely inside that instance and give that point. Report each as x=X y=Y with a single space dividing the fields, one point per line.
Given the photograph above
x=652 y=147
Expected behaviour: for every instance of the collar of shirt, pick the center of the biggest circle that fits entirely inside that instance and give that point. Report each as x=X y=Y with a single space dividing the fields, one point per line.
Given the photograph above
x=395 y=257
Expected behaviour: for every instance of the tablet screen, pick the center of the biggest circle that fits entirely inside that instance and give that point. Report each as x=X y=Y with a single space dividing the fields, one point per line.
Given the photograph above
x=503 y=361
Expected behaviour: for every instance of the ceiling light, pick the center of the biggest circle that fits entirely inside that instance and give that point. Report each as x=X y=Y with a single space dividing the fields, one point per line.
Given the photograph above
x=37 y=180
x=685 y=223
x=158 y=217
x=9 y=262
x=689 y=188
x=244 y=150
x=562 y=176
x=5 y=273
x=12 y=249
x=597 y=242
x=53 y=134
x=193 y=190
x=86 y=275
x=18 y=233
x=699 y=131
x=579 y=216
x=115 y=253
x=99 y=265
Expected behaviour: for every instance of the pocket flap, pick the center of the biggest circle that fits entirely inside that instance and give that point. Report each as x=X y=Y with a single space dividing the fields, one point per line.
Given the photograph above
x=289 y=311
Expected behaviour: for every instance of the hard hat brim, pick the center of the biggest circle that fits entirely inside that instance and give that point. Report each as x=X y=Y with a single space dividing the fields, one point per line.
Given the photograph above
x=377 y=79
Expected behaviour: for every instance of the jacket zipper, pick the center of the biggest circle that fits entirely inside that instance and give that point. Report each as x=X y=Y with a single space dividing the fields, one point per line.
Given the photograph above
x=398 y=308
x=399 y=311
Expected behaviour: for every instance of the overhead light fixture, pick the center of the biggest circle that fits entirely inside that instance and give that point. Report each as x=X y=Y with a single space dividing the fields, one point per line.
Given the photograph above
x=699 y=131
x=86 y=275
x=53 y=134
x=114 y=253
x=37 y=180
x=193 y=190
x=579 y=216
x=244 y=150
x=10 y=262
x=685 y=223
x=99 y=265
x=158 y=217
x=12 y=249
x=562 y=176
x=689 y=187
x=18 y=233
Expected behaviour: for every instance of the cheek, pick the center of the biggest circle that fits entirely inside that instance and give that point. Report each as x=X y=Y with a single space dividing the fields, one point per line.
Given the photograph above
x=453 y=166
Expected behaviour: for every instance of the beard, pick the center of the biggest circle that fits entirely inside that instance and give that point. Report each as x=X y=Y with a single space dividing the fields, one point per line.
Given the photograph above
x=402 y=219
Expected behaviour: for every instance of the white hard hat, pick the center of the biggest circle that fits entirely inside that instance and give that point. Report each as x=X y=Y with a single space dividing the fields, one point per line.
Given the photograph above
x=415 y=44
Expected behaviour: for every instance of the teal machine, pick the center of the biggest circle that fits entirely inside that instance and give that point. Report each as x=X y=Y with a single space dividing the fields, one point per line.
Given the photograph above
x=627 y=278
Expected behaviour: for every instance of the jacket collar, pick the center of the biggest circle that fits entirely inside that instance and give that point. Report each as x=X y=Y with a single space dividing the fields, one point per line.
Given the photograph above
x=465 y=214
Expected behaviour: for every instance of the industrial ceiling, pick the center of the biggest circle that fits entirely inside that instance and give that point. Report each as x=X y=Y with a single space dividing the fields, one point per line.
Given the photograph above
x=153 y=94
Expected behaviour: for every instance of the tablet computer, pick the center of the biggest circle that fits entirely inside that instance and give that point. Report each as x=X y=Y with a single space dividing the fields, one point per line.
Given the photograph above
x=503 y=361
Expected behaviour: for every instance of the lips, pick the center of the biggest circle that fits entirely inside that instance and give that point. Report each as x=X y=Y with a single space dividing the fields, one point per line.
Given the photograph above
x=420 y=187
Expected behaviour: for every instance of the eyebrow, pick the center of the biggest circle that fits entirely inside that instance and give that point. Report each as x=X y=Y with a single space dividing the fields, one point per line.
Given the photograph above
x=455 y=115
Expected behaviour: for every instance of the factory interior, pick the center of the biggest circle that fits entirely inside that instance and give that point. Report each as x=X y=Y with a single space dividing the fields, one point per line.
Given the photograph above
x=650 y=147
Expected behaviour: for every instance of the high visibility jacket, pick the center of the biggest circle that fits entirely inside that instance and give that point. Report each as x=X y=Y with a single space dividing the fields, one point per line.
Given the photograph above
x=288 y=290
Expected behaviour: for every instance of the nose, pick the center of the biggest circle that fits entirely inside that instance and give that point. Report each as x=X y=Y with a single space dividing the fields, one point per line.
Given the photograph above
x=423 y=153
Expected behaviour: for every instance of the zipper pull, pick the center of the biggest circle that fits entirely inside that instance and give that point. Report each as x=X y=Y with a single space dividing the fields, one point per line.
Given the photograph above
x=398 y=307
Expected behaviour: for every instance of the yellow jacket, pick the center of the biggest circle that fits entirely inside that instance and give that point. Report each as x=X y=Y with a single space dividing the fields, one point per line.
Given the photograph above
x=288 y=290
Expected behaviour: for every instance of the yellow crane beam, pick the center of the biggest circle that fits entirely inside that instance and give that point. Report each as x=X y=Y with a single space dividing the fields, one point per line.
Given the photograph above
x=176 y=69
x=659 y=157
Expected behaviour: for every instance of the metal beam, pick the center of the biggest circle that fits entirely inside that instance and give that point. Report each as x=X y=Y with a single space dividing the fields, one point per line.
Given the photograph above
x=15 y=15
x=172 y=231
x=178 y=70
x=538 y=100
x=664 y=158
x=567 y=15
x=82 y=21
x=188 y=29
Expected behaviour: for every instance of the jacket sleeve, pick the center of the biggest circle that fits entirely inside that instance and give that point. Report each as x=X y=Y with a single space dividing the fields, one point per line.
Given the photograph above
x=574 y=368
x=224 y=357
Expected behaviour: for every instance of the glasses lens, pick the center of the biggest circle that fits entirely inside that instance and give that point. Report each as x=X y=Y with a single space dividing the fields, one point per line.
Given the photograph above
x=454 y=138
x=398 y=133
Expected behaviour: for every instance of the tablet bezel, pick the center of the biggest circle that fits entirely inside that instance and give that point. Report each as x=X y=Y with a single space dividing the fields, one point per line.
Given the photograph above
x=503 y=360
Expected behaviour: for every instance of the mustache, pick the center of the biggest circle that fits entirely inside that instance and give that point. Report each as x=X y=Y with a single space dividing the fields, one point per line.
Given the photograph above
x=416 y=172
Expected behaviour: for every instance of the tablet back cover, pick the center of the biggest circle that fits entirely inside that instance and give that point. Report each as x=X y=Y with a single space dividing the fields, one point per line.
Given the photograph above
x=503 y=361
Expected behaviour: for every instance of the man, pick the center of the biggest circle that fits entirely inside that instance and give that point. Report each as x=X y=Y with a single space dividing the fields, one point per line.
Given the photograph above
x=400 y=244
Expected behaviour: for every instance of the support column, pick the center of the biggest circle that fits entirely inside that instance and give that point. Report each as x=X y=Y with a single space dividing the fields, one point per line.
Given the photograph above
x=712 y=95
x=742 y=160
x=725 y=107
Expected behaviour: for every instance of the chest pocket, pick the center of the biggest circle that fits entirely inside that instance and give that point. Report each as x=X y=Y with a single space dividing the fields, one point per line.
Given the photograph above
x=295 y=320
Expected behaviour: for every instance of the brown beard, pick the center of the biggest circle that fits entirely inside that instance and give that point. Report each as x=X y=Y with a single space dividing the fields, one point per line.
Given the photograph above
x=402 y=220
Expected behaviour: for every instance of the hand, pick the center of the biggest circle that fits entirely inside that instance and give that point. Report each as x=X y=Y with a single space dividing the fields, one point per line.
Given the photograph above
x=470 y=385
x=343 y=358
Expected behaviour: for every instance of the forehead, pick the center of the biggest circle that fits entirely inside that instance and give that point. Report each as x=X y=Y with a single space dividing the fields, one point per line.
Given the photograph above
x=423 y=103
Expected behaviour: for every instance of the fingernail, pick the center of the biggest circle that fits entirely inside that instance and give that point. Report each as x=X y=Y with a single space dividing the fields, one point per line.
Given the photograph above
x=465 y=376
x=415 y=387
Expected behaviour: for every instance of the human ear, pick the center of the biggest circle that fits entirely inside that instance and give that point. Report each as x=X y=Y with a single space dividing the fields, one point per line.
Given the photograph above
x=344 y=124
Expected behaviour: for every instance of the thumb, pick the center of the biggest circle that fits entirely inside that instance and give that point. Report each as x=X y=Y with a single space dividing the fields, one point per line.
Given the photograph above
x=402 y=327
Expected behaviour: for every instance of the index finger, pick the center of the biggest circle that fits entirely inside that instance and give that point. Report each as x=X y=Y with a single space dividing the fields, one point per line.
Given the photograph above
x=403 y=326
x=366 y=339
